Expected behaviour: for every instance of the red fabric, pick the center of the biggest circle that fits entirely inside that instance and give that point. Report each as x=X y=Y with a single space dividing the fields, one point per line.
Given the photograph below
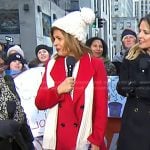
x=70 y=111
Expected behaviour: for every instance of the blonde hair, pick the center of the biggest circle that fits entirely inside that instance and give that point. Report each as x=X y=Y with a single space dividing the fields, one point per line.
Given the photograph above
x=134 y=52
x=72 y=44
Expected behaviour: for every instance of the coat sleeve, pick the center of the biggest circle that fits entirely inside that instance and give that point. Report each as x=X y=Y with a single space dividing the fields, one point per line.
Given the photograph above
x=125 y=85
x=9 y=128
x=99 y=103
x=47 y=97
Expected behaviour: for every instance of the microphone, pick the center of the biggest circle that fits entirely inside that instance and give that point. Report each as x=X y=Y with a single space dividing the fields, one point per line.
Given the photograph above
x=70 y=61
x=11 y=108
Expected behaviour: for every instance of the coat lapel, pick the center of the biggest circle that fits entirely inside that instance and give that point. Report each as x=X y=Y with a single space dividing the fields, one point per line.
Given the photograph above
x=85 y=73
x=58 y=72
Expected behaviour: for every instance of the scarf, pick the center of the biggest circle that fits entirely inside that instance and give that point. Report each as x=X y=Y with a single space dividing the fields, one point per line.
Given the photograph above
x=49 y=139
x=13 y=73
x=6 y=96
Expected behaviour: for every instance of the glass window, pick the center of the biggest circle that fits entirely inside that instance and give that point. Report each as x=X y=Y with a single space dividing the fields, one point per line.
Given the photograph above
x=116 y=8
x=128 y=24
x=114 y=26
x=121 y=26
x=114 y=37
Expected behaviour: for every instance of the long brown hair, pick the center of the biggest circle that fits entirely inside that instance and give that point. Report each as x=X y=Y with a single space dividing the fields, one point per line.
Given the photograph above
x=72 y=44
x=136 y=50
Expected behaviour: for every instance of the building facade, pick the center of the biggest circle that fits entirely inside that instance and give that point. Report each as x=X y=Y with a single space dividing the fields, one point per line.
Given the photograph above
x=123 y=16
x=27 y=22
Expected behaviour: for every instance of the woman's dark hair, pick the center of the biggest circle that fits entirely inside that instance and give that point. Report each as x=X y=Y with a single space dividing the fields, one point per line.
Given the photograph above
x=105 y=48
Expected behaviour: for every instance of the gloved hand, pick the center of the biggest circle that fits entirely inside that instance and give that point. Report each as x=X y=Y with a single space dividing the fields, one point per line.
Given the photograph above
x=9 y=128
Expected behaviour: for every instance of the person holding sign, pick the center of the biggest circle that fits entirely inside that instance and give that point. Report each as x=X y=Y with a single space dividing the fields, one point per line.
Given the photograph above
x=74 y=88
x=134 y=83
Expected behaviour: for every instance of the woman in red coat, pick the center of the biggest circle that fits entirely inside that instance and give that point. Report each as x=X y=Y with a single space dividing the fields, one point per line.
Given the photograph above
x=74 y=88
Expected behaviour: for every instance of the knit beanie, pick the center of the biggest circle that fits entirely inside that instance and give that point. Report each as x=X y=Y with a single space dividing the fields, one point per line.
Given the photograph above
x=16 y=48
x=128 y=32
x=15 y=56
x=76 y=23
x=39 y=47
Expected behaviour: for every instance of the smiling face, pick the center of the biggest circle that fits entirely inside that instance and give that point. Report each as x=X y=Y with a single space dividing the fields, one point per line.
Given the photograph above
x=59 y=42
x=129 y=41
x=43 y=55
x=16 y=65
x=97 y=48
x=144 y=35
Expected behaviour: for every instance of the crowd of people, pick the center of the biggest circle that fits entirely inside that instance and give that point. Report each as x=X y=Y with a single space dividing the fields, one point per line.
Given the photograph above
x=15 y=132
x=74 y=87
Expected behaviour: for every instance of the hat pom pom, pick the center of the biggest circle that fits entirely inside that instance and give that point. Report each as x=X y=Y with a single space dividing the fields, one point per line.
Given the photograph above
x=87 y=15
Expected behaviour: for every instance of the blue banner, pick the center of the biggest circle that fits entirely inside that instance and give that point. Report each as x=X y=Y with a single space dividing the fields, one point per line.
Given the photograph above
x=116 y=102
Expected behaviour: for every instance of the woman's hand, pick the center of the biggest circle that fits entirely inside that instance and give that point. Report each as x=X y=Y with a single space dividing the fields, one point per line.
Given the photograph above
x=66 y=86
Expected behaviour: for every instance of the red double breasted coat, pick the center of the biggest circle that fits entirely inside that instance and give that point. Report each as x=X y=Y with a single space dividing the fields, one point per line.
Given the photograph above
x=70 y=109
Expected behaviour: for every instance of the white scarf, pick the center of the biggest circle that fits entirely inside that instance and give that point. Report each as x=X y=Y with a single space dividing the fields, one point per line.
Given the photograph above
x=49 y=140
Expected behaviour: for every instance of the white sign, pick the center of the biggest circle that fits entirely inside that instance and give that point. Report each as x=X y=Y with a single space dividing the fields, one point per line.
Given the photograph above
x=27 y=85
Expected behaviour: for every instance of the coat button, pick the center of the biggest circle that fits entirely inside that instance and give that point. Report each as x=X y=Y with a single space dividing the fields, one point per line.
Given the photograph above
x=75 y=124
x=136 y=109
x=82 y=107
x=62 y=124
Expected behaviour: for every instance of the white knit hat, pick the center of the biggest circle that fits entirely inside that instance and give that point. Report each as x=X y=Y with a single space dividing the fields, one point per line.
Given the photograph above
x=16 y=48
x=76 y=23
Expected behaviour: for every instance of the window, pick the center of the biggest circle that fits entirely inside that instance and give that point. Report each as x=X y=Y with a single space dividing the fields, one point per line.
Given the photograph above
x=114 y=37
x=46 y=20
x=9 y=21
x=121 y=26
x=128 y=24
x=116 y=8
x=114 y=25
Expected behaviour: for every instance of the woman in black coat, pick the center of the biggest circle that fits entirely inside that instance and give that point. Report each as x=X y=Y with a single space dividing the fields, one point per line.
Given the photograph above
x=134 y=83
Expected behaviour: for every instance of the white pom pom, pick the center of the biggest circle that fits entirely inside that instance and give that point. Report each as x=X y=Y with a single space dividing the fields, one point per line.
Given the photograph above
x=87 y=15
